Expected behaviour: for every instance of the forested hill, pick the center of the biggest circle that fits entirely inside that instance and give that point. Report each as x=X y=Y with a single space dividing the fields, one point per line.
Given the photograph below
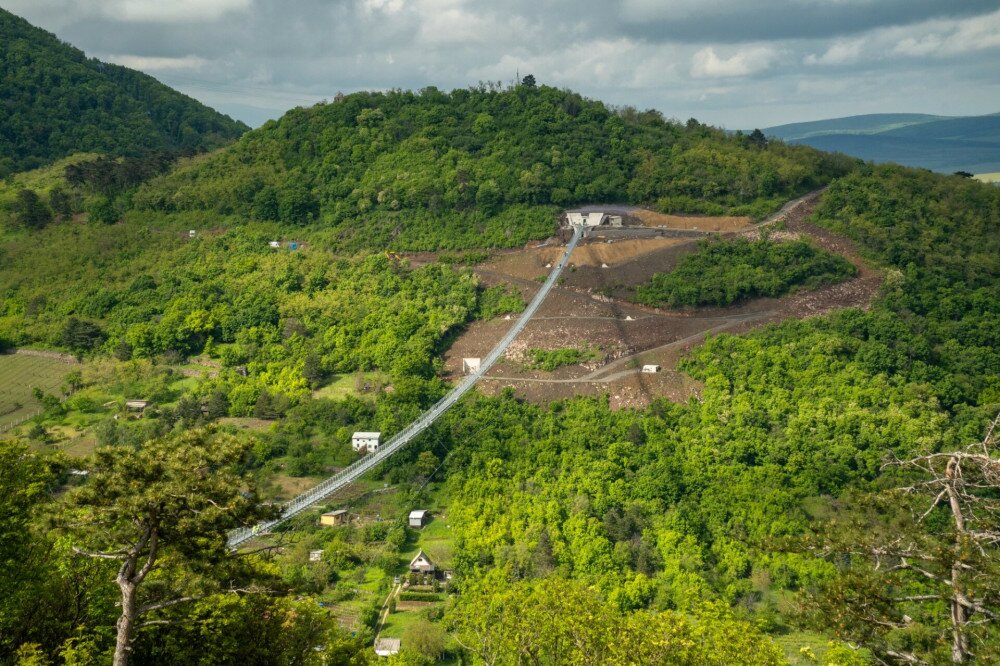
x=481 y=166
x=54 y=101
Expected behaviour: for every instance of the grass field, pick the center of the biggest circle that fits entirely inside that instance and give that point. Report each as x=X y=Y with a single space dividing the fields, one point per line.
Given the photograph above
x=345 y=385
x=19 y=376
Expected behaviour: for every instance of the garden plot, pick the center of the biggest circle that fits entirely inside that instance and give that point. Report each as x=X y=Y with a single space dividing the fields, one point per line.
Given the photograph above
x=20 y=375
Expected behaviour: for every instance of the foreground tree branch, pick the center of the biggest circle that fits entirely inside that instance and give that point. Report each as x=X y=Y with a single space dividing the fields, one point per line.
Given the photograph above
x=163 y=512
x=928 y=561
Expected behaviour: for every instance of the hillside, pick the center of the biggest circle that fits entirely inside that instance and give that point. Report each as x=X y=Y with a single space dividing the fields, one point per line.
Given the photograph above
x=54 y=101
x=933 y=142
x=479 y=167
x=871 y=123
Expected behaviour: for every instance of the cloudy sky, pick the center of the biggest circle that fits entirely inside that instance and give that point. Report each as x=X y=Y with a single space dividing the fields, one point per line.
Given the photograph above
x=733 y=63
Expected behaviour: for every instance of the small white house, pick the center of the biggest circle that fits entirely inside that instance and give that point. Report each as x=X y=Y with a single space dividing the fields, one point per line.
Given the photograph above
x=315 y=555
x=650 y=369
x=419 y=518
x=274 y=244
x=421 y=564
x=471 y=365
x=192 y=233
x=366 y=441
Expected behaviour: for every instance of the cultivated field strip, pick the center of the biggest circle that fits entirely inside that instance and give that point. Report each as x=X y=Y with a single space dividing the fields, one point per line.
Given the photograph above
x=20 y=374
x=405 y=436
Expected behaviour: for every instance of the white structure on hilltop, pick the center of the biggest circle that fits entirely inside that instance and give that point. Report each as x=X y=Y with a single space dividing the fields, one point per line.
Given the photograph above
x=593 y=219
x=650 y=369
x=471 y=365
x=366 y=441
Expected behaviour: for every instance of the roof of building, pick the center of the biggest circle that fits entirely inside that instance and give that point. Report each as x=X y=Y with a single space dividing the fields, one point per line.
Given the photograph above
x=338 y=512
x=369 y=435
x=386 y=646
x=421 y=556
x=419 y=513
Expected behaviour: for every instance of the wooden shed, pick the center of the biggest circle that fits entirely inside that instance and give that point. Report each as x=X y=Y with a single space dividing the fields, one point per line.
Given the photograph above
x=332 y=518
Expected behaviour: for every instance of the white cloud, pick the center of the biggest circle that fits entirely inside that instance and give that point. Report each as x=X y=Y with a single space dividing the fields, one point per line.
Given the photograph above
x=839 y=53
x=456 y=25
x=707 y=64
x=948 y=38
x=157 y=64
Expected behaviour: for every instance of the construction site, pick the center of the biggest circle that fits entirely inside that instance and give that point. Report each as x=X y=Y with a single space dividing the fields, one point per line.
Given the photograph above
x=591 y=308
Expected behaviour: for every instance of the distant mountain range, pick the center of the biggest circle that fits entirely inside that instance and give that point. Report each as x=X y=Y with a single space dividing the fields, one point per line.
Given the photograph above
x=939 y=143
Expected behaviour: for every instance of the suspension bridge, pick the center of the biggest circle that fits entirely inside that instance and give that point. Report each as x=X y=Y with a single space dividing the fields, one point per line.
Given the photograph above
x=354 y=471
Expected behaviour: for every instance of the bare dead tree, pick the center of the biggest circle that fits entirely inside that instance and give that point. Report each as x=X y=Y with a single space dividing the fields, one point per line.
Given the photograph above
x=967 y=484
x=919 y=565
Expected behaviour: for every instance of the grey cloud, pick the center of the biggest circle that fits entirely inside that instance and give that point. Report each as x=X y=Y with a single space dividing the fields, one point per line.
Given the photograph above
x=730 y=22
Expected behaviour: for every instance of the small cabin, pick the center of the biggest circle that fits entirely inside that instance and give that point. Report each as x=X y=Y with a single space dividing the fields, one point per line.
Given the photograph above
x=136 y=405
x=421 y=564
x=471 y=366
x=367 y=442
x=334 y=518
x=419 y=518
x=315 y=555
x=650 y=369
x=386 y=647
x=274 y=244
x=192 y=233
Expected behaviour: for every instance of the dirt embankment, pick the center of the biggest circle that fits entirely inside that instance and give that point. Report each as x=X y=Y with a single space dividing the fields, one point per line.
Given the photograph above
x=651 y=218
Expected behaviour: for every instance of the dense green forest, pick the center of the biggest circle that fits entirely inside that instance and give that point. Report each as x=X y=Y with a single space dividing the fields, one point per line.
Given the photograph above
x=704 y=513
x=730 y=271
x=54 y=101
x=479 y=167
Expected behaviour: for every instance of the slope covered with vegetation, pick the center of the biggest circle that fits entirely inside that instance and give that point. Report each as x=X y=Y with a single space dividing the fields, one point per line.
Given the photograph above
x=726 y=272
x=479 y=167
x=54 y=101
